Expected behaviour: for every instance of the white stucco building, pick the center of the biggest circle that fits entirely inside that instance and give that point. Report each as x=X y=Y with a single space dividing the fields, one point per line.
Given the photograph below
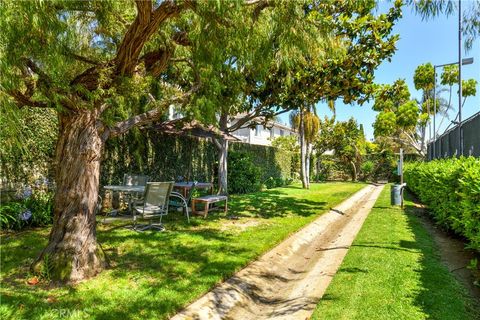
x=257 y=134
x=263 y=135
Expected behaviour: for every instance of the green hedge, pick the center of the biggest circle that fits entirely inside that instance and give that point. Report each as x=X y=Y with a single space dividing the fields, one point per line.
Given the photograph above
x=451 y=189
x=168 y=157
x=273 y=163
x=243 y=174
x=27 y=147
x=160 y=156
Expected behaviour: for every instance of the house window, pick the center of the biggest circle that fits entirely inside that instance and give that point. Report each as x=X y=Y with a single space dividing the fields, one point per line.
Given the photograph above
x=282 y=133
x=257 y=130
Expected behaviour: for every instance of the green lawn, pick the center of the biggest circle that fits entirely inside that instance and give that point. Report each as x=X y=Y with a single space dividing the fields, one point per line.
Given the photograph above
x=393 y=271
x=155 y=274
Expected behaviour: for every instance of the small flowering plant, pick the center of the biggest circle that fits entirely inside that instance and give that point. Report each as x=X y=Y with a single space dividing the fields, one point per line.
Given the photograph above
x=33 y=206
x=25 y=215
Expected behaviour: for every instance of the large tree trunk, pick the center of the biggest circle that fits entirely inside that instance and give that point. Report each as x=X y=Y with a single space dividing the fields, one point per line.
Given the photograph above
x=222 y=166
x=423 y=137
x=72 y=253
x=303 y=152
x=222 y=146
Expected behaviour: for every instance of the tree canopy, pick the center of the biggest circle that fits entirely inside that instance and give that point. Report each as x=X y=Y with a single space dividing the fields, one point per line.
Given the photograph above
x=106 y=67
x=404 y=119
x=346 y=139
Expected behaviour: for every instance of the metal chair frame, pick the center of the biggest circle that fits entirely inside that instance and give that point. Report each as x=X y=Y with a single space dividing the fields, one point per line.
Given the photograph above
x=154 y=205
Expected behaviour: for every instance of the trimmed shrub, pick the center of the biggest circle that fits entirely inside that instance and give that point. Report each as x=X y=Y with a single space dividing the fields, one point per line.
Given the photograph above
x=243 y=174
x=451 y=189
x=273 y=162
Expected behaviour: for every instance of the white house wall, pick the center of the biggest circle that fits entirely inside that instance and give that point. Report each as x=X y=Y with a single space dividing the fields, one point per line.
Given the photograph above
x=263 y=137
x=243 y=134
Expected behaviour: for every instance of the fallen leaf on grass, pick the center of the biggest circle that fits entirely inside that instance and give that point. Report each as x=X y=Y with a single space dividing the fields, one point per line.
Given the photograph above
x=33 y=281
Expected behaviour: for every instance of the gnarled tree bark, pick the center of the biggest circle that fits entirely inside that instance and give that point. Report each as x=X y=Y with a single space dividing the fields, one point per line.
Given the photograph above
x=72 y=253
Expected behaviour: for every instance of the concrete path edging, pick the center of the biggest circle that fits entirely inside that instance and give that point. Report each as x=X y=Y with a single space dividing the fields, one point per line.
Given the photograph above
x=288 y=281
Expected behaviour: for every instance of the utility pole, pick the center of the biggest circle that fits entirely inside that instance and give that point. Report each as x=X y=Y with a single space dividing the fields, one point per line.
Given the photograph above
x=460 y=131
x=434 y=110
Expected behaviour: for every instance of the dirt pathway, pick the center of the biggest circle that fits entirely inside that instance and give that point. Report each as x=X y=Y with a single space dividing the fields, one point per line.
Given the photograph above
x=288 y=281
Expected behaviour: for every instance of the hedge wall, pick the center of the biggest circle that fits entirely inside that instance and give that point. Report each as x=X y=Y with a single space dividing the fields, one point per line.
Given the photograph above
x=273 y=163
x=26 y=151
x=168 y=157
x=160 y=156
x=451 y=189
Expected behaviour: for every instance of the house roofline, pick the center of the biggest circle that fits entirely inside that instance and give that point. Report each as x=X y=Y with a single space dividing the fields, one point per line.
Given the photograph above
x=271 y=124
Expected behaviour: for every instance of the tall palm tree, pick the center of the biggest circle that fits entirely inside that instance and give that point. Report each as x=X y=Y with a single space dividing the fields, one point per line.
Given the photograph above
x=307 y=123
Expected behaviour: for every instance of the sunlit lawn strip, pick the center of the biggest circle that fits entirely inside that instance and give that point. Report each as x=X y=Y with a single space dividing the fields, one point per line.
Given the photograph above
x=155 y=274
x=393 y=271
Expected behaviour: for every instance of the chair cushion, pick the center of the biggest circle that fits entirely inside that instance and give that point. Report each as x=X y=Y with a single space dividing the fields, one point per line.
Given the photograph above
x=212 y=198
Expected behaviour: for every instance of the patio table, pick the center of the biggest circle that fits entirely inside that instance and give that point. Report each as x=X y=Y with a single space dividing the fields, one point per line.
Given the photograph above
x=126 y=189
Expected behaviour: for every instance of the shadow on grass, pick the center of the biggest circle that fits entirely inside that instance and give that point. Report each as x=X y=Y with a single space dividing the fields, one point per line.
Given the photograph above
x=352 y=270
x=153 y=274
x=152 y=270
x=274 y=203
x=434 y=276
x=406 y=246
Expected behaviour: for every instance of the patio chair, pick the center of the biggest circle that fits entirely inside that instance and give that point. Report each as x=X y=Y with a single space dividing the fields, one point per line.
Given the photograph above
x=177 y=200
x=155 y=204
x=134 y=180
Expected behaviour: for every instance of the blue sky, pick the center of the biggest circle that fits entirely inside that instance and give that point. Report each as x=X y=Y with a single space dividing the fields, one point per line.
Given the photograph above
x=420 y=42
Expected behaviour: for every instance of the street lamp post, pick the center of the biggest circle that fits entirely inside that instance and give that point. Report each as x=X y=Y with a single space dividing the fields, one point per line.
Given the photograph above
x=465 y=61
x=434 y=110
x=460 y=133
